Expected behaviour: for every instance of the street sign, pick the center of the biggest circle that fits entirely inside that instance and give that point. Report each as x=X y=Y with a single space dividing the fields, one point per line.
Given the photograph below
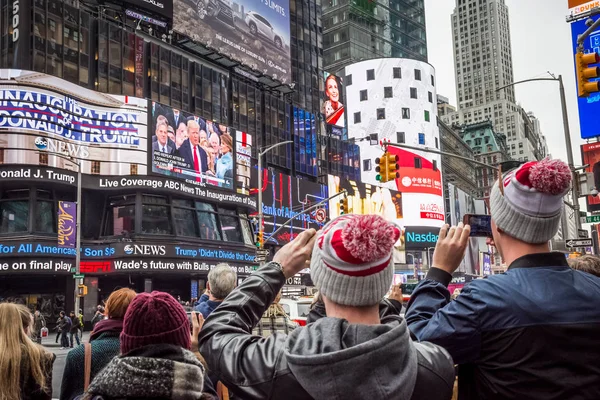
x=320 y=215
x=575 y=243
x=594 y=219
x=78 y=276
x=582 y=233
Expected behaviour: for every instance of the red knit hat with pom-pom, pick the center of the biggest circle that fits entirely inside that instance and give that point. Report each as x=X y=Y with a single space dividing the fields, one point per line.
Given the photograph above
x=530 y=207
x=352 y=259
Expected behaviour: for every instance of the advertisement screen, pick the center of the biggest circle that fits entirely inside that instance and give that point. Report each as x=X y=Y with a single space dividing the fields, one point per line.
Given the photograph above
x=589 y=107
x=188 y=147
x=95 y=128
x=254 y=32
x=590 y=155
x=163 y=8
x=286 y=197
x=333 y=103
x=577 y=7
x=243 y=157
x=423 y=209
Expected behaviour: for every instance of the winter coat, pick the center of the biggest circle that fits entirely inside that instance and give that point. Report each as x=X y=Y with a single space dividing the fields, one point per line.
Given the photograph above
x=274 y=320
x=30 y=390
x=97 y=318
x=75 y=324
x=105 y=346
x=156 y=371
x=328 y=359
x=206 y=306
x=530 y=333
x=65 y=324
x=38 y=323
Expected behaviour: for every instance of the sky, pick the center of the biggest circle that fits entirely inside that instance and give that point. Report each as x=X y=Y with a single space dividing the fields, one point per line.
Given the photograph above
x=541 y=41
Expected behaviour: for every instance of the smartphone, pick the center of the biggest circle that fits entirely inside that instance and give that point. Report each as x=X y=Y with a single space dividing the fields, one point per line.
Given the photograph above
x=481 y=224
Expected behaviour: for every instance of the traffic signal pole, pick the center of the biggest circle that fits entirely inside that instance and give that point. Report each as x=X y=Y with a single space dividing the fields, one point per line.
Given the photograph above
x=442 y=153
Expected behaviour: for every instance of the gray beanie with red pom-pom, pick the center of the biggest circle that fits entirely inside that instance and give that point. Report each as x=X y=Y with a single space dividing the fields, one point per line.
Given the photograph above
x=352 y=261
x=529 y=204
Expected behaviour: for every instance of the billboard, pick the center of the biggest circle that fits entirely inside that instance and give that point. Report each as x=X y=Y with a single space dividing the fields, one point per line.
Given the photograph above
x=423 y=209
x=333 y=102
x=590 y=155
x=589 y=107
x=40 y=112
x=188 y=147
x=577 y=7
x=243 y=158
x=285 y=197
x=164 y=8
x=255 y=33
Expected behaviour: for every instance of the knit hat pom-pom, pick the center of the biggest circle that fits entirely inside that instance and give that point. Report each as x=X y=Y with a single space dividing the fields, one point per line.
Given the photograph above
x=369 y=237
x=550 y=176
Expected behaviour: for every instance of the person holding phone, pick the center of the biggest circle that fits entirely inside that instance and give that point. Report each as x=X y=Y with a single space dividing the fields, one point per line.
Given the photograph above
x=510 y=336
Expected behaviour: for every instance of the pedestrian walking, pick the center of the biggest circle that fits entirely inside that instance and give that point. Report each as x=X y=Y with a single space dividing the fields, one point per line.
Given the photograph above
x=82 y=326
x=274 y=320
x=221 y=281
x=351 y=353
x=532 y=332
x=57 y=329
x=25 y=366
x=64 y=327
x=98 y=316
x=155 y=360
x=74 y=331
x=103 y=346
x=39 y=323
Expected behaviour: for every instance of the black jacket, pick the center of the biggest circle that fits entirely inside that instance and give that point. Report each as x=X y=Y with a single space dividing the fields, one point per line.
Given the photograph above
x=530 y=333
x=328 y=359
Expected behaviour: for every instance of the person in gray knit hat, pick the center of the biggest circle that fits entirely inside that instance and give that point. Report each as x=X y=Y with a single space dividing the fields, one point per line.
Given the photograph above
x=531 y=332
x=351 y=353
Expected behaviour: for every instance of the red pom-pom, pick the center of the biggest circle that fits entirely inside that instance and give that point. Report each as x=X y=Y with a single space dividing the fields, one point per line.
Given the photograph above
x=368 y=237
x=550 y=176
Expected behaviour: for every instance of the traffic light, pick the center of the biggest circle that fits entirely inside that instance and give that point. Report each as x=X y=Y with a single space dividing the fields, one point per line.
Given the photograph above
x=391 y=171
x=343 y=205
x=381 y=167
x=585 y=72
x=82 y=290
x=260 y=238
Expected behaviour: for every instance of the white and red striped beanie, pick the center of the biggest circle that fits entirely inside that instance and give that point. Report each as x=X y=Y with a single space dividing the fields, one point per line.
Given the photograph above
x=531 y=205
x=352 y=261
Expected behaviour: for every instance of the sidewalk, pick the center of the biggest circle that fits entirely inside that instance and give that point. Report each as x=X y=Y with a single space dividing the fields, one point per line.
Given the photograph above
x=50 y=340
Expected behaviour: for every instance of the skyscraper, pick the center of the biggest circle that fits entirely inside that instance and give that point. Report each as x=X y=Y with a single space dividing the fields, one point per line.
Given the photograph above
x=483 y=64
x=355 y=30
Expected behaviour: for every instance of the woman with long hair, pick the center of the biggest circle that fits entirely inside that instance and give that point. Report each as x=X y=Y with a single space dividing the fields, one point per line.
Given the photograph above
x=104 y=345
x=25 y=366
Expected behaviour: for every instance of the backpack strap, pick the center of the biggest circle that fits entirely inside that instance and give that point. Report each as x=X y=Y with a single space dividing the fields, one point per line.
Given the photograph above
x=222 y=391
x=88 y=365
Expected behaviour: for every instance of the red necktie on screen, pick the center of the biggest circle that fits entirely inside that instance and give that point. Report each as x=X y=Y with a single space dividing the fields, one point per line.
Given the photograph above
x=196 y=163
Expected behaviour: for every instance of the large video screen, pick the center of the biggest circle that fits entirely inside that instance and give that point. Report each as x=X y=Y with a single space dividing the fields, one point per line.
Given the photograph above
x=188 y=147
x=333 y=103
x=254 y=32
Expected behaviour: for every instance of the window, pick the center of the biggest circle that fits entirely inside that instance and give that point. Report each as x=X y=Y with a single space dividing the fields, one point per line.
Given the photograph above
x=388 y=93
x=381 y=113
x=413 y=93
x=156 y=216
x=96 y=167
x=432 y=81
x=430 y=97
x=184 y=217
x=370 y=74
x=43 y=158
x=400 y=137
x=44 y=212
x=367 y=165
x=418 y=162
x=349 y=80
x=426 y=116
x=406 y=113
x=374 y=139
x=120 y=215
x=207 y=221
x=417 y=74
x=434 y=162
x=230 y=225
x=133 y=169
x=421 y=138
x=397 y=73
x=14 y=211
x=437 y=144
x=357 y=117
x=363 y=95
x=1 y=156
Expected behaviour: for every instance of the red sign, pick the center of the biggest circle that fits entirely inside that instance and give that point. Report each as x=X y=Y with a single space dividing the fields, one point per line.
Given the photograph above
x=419 y=180
x=590 y=154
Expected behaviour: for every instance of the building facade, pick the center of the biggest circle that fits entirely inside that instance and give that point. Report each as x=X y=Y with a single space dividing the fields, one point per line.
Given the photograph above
x=458 y=172
x=356 y=30
x=95 y=89
x=483 y=64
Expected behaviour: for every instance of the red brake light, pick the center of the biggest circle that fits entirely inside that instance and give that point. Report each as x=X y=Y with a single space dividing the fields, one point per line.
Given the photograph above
x=301 y=322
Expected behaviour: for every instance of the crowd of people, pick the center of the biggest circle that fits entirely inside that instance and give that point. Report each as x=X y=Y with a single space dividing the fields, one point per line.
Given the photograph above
x=529 y=333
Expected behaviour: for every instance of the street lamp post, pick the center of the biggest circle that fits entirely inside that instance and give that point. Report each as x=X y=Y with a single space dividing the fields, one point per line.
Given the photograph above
x=567 y=133
x=260 y=187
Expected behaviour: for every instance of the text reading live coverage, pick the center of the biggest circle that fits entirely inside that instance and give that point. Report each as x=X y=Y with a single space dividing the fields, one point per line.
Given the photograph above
x=189 y=147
